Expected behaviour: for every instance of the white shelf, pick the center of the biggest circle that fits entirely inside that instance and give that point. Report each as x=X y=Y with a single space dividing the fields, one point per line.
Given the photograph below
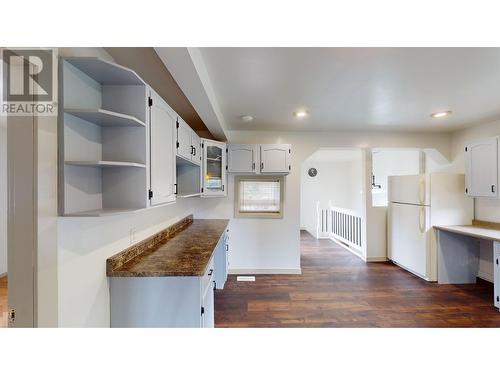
x=103 y=164
x=104 y=72
x=103 y=117
x=105 y=212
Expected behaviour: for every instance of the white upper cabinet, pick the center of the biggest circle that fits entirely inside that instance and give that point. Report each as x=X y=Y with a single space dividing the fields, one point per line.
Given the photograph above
x=188 y=142
x=275 y=158
x=481 y=168
x=214 y=168
x=184 y=146
x=243 y=158
x=162 y=166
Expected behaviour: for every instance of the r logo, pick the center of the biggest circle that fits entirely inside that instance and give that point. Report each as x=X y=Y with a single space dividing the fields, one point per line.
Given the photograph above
x=28 y=75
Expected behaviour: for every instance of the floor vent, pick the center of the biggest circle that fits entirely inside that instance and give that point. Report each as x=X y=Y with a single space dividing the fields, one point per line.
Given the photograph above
x=245 y=278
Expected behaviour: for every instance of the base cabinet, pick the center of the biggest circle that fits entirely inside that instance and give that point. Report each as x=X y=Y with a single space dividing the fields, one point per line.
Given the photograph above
x=172 y=301
x=222 y=262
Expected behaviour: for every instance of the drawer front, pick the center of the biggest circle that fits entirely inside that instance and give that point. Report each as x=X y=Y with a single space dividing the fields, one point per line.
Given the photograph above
x=207 y=279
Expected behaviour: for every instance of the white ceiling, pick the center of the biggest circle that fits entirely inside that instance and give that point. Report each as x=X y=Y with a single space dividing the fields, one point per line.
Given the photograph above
x=354 y=88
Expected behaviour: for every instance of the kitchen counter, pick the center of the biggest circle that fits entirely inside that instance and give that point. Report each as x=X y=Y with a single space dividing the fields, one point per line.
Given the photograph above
x=478 y=229
x=185 y=249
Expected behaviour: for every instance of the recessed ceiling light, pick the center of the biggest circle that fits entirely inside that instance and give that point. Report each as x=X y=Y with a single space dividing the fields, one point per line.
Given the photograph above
x=441 y=114
x=246 y=118
x=300 y=113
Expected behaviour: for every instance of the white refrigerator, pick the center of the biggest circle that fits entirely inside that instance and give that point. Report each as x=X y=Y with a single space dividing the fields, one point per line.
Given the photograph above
x=416 y=204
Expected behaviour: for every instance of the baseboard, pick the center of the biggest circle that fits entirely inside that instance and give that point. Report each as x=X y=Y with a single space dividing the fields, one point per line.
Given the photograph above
x=3 y=274
x=265 y=271
x=485 y=276
x=355 y=252
x=377 y=259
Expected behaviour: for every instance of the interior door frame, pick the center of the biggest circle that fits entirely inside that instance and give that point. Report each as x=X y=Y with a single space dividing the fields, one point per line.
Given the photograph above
x=22 y=218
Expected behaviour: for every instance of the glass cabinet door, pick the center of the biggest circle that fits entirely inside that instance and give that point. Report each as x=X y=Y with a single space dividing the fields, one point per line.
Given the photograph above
x=214 y=171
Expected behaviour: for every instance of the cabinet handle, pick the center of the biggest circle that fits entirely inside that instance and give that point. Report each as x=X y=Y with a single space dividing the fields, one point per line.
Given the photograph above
x=492 y=188
x=210 y=272
x=194 y=150
x=253 y=166
x=222 y=187
x=261 y=166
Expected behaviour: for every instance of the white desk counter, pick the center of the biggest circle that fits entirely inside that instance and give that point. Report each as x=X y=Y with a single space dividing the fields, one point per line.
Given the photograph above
x=477 y=231
x=458 y=253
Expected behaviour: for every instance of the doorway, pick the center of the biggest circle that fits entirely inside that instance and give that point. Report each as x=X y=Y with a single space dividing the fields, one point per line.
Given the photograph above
x=332 y=197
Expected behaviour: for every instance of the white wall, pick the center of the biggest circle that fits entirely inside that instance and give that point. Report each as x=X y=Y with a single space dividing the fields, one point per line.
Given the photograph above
x=392 y=163
x=337 y=181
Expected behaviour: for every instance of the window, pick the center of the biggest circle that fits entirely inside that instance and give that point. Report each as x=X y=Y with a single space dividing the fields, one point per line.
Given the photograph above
x=259 y=196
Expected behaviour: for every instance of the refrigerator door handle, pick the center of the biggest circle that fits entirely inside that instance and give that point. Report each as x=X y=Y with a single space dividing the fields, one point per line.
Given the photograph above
x=421 y=220
x=422 y=190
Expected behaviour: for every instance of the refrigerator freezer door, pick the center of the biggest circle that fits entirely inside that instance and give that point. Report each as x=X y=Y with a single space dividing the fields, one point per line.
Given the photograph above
x=414 y=189
x=409 y=225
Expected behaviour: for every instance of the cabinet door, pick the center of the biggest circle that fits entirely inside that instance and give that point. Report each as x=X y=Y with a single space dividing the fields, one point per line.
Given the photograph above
x=496 y=272
x=221 y=264
x=184 y=141
x=242 y=158
x=481 y=168
x=195 y=142
x=207 y=309
x=214 y=168
x=162 y=144
x=275 y=158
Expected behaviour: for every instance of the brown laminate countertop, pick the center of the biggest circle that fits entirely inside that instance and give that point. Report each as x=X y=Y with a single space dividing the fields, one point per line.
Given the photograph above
x=187 y=253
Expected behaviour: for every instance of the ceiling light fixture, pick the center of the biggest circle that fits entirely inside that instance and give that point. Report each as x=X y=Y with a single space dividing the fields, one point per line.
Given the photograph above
x=246 y=118
x=441 y=114
x=300 y=114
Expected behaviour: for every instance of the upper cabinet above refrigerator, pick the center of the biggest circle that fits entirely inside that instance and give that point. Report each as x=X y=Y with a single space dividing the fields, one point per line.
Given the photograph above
x=481 y=168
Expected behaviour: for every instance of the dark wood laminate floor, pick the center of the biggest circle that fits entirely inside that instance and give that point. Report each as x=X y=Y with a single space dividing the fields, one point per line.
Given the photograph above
x=3 y=302
x=337 y=289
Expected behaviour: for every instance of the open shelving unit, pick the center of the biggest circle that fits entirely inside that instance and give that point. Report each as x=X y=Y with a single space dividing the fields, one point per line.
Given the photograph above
x=188 y=178
x=103 y=117
x=103 y=138
x=103 y=164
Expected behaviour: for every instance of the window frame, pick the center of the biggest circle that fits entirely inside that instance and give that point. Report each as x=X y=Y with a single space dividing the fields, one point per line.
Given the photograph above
x=260 y=215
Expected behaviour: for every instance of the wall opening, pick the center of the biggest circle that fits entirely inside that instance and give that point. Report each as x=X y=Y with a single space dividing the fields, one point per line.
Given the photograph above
x=332 y=198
